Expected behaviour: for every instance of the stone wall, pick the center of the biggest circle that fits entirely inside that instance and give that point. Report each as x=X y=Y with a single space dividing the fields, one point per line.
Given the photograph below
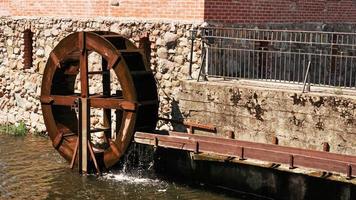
x=254 y=113
x=20 y=88
x=259 y=113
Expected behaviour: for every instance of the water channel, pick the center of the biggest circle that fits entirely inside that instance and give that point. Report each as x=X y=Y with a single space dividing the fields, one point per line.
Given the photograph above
x=31 y=169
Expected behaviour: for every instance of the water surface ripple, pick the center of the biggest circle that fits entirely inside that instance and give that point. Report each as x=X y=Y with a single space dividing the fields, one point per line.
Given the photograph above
x=31 y=169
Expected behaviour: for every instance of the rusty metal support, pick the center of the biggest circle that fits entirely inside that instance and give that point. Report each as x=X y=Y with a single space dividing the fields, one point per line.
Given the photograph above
x=196 y=149
x=291 y=162
x=241 y=153
x=294 y=157
x=275 y=140
x=349 y=172
x=230 y=134
x=326 y=147
x=156 y=142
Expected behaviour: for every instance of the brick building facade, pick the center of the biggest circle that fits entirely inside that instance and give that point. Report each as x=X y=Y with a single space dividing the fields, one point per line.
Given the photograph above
x=221 y=11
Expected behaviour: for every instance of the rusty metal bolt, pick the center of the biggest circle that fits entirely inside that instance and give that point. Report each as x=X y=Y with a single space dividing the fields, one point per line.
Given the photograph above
x=291 y=162
x=348 y=172
x=230 y=134
x=326 y=147
x=275 y=140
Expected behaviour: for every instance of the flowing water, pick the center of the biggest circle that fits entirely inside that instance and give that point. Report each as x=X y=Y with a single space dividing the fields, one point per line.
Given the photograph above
x=31 y=169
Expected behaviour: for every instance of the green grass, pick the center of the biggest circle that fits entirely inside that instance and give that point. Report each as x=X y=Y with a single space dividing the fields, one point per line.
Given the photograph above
x=16 y=130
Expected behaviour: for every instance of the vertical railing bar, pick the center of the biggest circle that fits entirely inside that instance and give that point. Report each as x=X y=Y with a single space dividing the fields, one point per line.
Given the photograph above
x=337 y=39
x=262 y=59
x=242 y=56
x=320 y=66
x=280 y=65
x=331 y=68
x=233 y=63
x=229 y=65
x=212 y=56
x=235 y=59
x=216 y=61
x=269 y=65
x=351 y=70
x=303 y=64
x=257 y=65
x=294 y=64
x=207 y=61
x=325 y=69
x=240 y=63
x=345 y=78
x=275 y=66
x=306 y=75
x=244 y=62
x=236 y=62
x=342 y=39
x=289 y=58
x=340 y=66
x=354 y=69
x=222 y=54
x=335 y=68
x=347 y=39
x=248 y=63
x=211 y=60
x=218 y=67
x=253 y=60
x=285 y=66
x=298 y=65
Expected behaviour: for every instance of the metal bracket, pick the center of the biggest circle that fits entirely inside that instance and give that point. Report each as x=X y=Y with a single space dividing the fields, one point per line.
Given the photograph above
x=75 y=106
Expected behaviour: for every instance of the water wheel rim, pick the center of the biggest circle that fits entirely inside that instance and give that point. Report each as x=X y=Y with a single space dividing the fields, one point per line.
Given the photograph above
x=61 y=52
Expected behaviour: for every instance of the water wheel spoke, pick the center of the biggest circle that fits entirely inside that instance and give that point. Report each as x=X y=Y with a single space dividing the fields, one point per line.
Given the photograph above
x=112 y=103
x=59 y=100
x=92 y=155
x=74 y=154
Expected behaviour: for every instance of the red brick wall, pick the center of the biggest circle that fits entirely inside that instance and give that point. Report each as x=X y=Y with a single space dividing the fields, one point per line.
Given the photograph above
x=221 y=11
x=145 y=9
x=280 y=11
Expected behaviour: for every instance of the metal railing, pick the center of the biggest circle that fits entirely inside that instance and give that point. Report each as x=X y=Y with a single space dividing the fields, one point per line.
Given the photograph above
x=318 y=58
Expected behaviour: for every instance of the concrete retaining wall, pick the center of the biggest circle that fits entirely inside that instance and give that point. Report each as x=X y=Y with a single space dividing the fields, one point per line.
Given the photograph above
x=259 y=113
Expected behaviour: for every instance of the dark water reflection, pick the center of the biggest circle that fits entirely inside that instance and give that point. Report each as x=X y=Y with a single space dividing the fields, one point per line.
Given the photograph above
x=31 y=169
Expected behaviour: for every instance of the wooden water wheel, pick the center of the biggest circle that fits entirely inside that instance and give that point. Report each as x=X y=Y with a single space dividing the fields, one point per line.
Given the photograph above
x=67 y=114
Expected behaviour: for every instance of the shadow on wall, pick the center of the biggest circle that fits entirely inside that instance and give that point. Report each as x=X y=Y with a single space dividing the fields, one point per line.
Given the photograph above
x=177 y=115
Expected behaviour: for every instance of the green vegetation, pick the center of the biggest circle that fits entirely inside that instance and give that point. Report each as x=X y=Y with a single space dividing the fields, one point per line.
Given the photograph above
x=16 y=130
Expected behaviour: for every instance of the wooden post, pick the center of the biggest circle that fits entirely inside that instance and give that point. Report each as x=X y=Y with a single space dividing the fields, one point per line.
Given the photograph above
x=84 y=108
x=85 y=126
